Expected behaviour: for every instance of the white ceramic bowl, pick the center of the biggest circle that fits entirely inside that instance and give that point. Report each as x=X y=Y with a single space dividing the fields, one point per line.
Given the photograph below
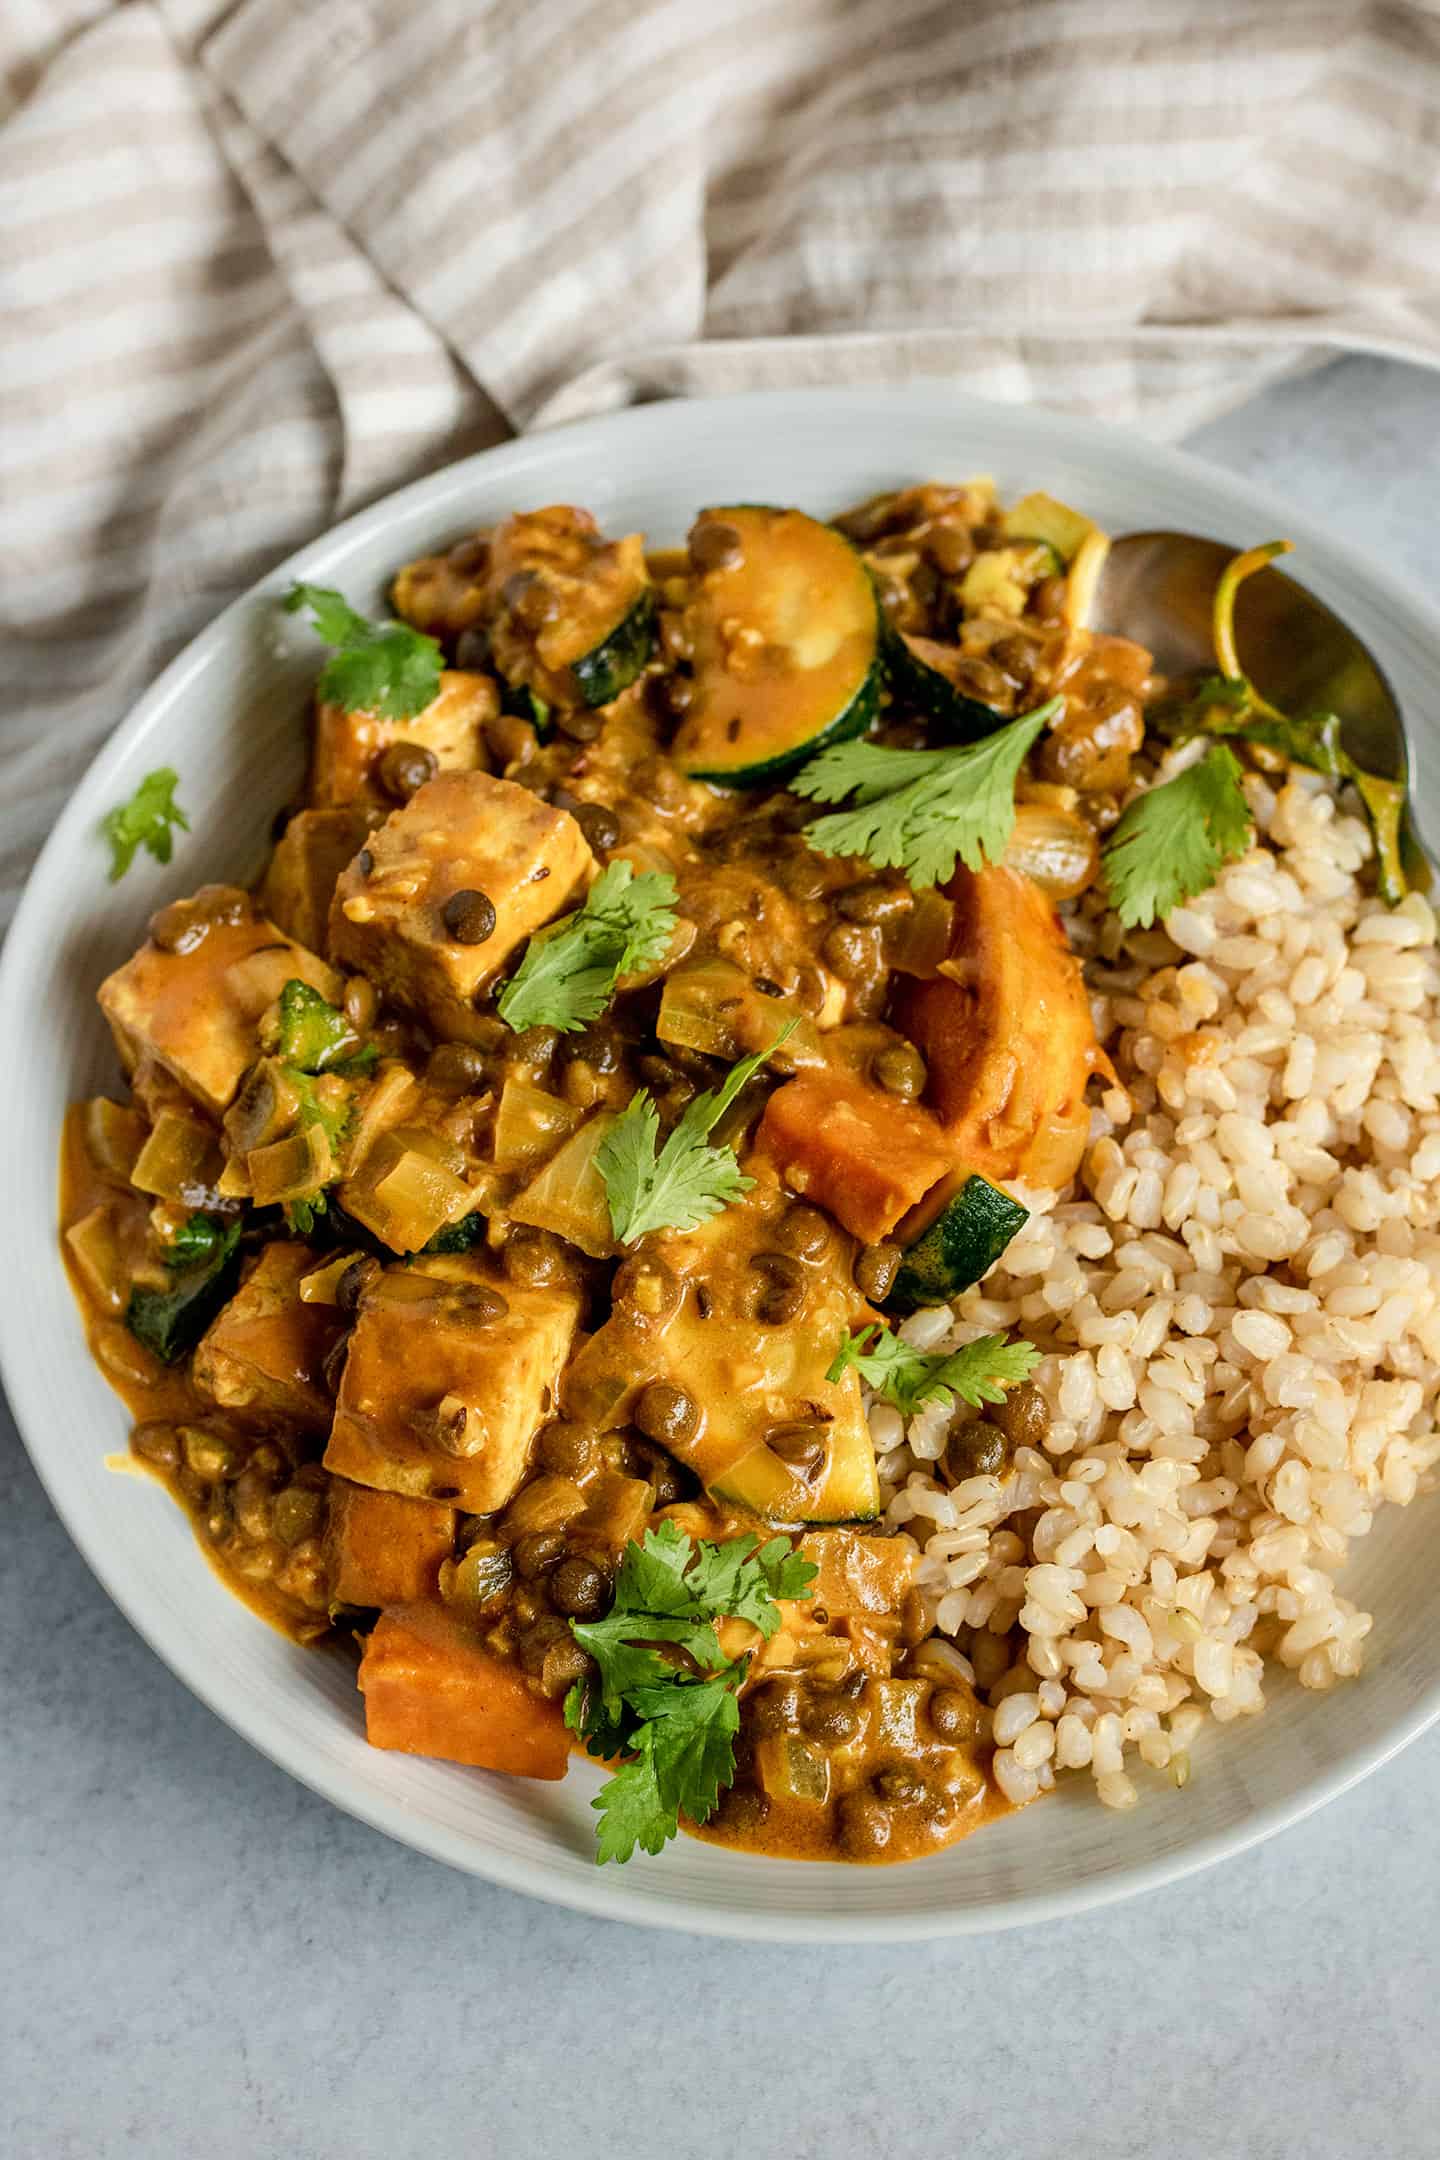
x=229 y=714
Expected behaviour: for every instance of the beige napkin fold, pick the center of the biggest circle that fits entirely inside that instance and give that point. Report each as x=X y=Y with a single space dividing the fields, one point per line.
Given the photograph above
x=261 y=262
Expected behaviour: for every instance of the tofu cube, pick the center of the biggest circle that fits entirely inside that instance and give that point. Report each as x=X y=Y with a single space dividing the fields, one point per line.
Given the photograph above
x=383 y=1549
x=194 y=1011
x=348 y=746
x=462 y=832
x=443 y=1392
x=309 y=857
x=263 y=1356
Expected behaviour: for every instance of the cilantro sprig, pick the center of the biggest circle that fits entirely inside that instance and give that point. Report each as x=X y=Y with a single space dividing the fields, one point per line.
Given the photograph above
x=383 y=667
x=673 y=1718
x=685 y=1182
x=979 y=1372
x=569 y=972
x=1173 y=840
x=145 y=821
x=921 y=811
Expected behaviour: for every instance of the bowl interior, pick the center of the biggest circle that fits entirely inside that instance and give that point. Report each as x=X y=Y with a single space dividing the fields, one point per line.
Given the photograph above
x=229 y=714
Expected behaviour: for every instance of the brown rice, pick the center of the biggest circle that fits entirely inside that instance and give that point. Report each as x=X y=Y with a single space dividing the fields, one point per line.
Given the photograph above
x=1239 y=1306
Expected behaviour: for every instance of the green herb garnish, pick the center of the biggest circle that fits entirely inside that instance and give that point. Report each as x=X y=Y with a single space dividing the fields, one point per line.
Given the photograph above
x=569 y=972
x=921 y=811
x=977 y=1373
x=145 y=821
x=673 y=1718
x=385 y=667
x=686 y=1181
x=1172 y=840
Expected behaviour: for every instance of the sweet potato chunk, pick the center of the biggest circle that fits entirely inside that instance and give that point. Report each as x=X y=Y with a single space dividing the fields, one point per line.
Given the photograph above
x=349 y=745
x=309 y=857
x=383 y=1549
x=1006 y=1032
x=461 y=832
x=853 y=1149
x=443 y=1393
x=431 y=1688
x=263 y=1355
x=195 y=1011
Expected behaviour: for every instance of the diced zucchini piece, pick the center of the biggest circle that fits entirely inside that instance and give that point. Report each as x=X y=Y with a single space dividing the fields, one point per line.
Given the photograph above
x=1041 y=517
x=786 y=644
x=713 y=1006
x=753 y=1378
x=1076 y=539
x=763 y=1485
x=170 y=1321
x=574 y=614
x=960 y=1246
x=264 y=1355
x=918 y=682
x=568 y=1196
x=443 y=1391
x=998 y=582
x=463 y=832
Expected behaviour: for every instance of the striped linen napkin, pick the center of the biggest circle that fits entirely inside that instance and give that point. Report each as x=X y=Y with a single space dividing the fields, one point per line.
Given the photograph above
x=260 y=262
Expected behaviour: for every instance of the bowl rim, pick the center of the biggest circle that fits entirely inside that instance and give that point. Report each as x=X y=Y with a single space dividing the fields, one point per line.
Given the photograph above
x=605 y=1893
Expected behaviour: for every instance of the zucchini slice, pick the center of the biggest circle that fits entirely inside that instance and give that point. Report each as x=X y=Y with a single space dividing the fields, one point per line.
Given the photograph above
x=964 y=1241
x=784 y=628
x=954 y=718
x=1078 y=541
x=849 y=1490
x=574 y=618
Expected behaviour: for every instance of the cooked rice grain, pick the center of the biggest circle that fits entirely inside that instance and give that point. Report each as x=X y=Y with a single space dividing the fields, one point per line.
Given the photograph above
x=1239 y=1305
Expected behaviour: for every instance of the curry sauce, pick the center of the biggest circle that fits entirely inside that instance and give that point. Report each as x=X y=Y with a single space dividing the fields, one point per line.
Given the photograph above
x=353 y=1255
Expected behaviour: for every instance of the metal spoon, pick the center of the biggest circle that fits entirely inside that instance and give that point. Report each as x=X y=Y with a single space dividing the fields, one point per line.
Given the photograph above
x=1157 y=587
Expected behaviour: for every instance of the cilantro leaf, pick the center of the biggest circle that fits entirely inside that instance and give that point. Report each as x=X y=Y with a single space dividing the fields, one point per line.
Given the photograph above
x=632 y=1808
x=921 y=811
x=673 y=1717
x=1172 y=840
x=385 y=668
x=687 y=1181
x=569 y=972
x=145 y=821
x=979 y=1372
x=315 y=1036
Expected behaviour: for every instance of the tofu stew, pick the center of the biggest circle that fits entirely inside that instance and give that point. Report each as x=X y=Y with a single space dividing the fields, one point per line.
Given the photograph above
x=644 y=1228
